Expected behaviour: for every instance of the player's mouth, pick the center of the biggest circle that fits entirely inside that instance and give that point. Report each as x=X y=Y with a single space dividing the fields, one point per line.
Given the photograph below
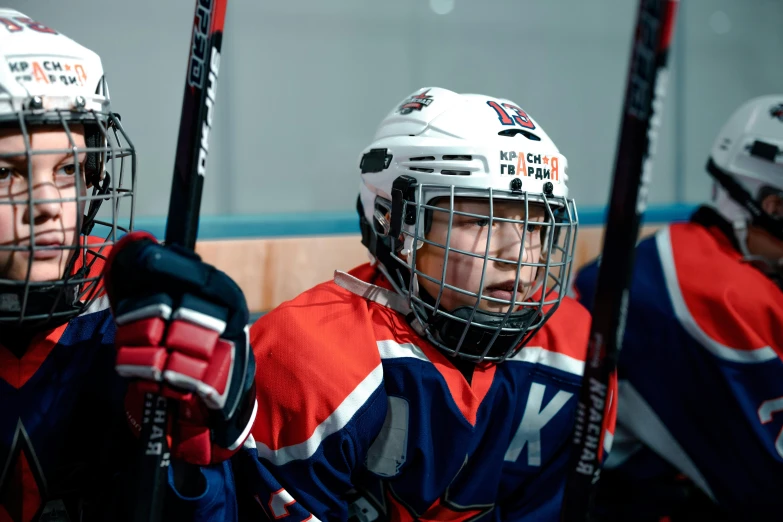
x=505 y=290
x=46 y=246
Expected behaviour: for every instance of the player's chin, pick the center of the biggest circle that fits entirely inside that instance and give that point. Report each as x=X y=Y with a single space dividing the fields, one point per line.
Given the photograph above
x=40 y=270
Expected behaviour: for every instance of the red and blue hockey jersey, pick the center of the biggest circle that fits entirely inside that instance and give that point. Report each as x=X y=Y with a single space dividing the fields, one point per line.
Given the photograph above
x=360 y=418
x=701 y=376
x=58 y=411
x=65 y=446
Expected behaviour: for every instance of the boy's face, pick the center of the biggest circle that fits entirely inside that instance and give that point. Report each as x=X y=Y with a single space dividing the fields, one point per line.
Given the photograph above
x=53 y=214
x=470 y=234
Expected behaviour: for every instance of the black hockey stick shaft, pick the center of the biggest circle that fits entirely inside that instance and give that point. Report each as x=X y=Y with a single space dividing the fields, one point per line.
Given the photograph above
x=197 y=114
x=641 y=115
x=181 y=229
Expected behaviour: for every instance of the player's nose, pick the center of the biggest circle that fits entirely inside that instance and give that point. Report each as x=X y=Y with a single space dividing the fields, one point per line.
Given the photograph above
x=44 y=203
x=507 y=243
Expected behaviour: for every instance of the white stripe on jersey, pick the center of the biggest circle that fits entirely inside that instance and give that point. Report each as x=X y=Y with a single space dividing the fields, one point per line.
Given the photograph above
x=99 y=304
x=538 y=355
x=332 y=424
x=531 y=354
x=393 y=350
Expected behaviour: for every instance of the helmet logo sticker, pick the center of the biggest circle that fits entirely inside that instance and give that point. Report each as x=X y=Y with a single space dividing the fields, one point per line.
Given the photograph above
x=777 y=111
x=520 y=117
x=530 y=165
x=47 y=70
x=18 y=23
x=416 y=103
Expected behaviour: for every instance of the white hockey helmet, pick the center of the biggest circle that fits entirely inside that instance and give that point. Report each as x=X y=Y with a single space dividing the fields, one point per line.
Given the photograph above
x=48 y=79
x=746 y=162
x=439 y=144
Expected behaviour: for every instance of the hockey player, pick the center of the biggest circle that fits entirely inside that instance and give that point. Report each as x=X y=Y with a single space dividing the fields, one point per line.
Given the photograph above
x=65 y=446
x=438 y=381
x=701 y=377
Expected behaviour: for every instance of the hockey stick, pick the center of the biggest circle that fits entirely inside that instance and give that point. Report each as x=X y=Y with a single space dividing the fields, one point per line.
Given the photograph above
x=181 y=228
x=632 y=171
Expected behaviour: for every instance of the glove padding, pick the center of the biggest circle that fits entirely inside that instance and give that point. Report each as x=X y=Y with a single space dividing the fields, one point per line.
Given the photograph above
x=182 y=330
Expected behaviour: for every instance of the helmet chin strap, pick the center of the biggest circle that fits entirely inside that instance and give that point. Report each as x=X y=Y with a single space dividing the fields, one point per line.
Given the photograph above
x=407 y=251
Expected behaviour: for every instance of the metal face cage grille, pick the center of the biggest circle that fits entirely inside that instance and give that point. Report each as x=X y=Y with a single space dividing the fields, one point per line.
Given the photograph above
x=95 y=179
x=483 y=327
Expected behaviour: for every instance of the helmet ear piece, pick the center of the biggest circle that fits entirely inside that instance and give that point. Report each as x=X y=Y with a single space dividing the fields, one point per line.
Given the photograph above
x=95 y=175
x=98 y=192
x=93 y=165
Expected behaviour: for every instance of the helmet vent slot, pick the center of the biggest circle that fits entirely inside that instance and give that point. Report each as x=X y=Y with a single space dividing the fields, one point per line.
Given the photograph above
x=455 y=172
x=423 y=158
x=458 y=158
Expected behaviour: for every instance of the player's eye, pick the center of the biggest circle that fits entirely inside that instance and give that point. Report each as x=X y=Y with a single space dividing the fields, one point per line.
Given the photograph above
x=6 y=173
x=67 y=170
x=481 y=222
x=533 y=227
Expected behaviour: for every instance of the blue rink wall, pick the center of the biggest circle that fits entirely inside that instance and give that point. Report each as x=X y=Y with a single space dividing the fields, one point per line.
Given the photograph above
x=344 y=223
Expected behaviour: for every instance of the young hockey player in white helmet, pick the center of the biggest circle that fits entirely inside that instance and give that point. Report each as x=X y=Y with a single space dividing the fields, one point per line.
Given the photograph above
x=67 y=175
x=439 y=381
x=701 y=387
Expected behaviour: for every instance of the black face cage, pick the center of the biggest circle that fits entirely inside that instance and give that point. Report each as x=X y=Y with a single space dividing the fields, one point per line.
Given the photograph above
x=469 y=332
x=109 y=174
x=772 y=224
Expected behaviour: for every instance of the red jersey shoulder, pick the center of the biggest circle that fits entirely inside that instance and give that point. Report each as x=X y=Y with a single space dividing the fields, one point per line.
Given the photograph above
x=566 y=331
x=312 y=353
x=744 y=310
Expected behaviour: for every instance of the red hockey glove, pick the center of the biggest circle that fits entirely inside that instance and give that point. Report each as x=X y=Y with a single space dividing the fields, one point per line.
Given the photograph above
x=182 y=331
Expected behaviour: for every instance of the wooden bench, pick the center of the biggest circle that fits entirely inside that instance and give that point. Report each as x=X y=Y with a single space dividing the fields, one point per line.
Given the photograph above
x=273 y=270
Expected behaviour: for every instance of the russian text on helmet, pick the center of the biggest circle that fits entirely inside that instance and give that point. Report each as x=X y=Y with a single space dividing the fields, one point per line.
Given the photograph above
x=538 y=166
x=47 y=71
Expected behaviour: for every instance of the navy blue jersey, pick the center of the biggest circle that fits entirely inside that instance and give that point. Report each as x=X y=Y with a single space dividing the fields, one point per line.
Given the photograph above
x=59 y=407
x=701 y=376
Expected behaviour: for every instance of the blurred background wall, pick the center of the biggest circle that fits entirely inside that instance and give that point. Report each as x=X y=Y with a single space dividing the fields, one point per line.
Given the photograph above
x=303 y=84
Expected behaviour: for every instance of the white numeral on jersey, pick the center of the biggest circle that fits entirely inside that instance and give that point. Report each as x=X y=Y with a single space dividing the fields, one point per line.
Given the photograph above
x=279 y=502
x=766 y=411
x=533 y=421
x=278 y=505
